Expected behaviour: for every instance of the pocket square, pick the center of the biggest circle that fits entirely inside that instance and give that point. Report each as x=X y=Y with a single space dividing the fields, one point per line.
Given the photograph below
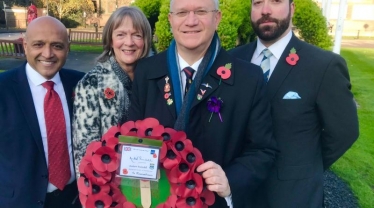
x=291 y=95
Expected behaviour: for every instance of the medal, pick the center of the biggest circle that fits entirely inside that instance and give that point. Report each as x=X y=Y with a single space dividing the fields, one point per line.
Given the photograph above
x=169 y=101
x=167 y=85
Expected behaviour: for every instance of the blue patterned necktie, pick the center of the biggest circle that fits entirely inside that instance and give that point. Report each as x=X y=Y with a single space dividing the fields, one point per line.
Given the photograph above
x=265 y=63
x=189 y=74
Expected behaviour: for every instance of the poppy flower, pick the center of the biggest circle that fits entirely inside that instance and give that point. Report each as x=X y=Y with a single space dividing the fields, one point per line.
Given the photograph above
x=180 y=144
x=292 y=59
x=112 y=142
x=113 y=131
x=98 y=189
x=128 y=205
x=84 y=185
x=192 y=187
x=207 y=197
x=129 y=128
x=193 y=158
x=224 y=71
x=97 y=177
x=170 y=202
x=91 y=149
x=117 y=197
x=109 y=93
x=84 y=162
x=83 y=199
x=180 y=173
x=99 y=200
x=171 y=158
x=105 y=159
x=146 y=126
x=190 y=202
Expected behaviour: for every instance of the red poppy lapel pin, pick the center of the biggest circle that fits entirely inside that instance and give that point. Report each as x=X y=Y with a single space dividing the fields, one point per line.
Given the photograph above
x=292 y=57
x=224 y=71
x=109 y=93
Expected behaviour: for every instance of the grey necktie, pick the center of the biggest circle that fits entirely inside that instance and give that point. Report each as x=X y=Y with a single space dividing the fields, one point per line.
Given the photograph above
x=265 y=63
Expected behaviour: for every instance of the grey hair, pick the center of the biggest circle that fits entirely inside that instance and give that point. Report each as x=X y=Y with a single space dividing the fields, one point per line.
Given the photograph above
x=216 y=4
x=140 y=24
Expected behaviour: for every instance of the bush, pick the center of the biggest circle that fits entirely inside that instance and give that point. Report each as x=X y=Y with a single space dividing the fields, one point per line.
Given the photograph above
x=163 y=29
x=151 y=9
x=235 y=18
x=311 y=23
x=69 y=23
x=236 y=29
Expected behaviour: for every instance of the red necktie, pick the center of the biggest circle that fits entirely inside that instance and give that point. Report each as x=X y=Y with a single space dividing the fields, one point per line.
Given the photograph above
x=58 y=156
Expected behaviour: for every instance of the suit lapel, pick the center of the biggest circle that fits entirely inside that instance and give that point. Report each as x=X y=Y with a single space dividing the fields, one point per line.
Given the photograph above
x=282 y=69
x=161 y=85
x=159 y=76
x=213 y=79
x=24 y=96
x=68 y=88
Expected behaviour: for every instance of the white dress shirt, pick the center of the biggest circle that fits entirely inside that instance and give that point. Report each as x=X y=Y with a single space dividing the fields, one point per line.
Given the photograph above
x=183 y=64
x=38 y=93
x=276 y=49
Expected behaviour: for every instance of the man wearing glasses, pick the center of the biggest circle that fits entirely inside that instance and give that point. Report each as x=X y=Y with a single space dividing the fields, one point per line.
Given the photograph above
x=196 y=87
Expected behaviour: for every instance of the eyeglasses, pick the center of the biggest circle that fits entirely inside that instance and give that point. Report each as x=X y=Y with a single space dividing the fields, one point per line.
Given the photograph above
x=199 y=12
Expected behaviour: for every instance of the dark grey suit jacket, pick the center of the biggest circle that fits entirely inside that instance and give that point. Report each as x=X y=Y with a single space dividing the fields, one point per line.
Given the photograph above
x=311 y=132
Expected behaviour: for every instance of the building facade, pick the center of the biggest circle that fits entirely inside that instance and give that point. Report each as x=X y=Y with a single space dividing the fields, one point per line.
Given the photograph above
x=358 y=18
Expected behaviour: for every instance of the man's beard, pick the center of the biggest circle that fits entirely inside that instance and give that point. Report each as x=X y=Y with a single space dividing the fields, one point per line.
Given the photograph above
x=269 y=33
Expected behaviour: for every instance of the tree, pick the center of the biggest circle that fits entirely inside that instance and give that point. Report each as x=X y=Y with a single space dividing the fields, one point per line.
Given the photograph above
x=234 y=25
x=311 y=24
x=62 y=8
x=151 y=9
x=163 y=29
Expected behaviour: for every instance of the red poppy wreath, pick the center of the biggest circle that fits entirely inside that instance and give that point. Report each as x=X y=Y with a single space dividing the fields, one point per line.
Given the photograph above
x=99 y=183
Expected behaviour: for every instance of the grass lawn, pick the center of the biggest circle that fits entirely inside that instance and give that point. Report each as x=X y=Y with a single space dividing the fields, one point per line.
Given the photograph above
x=86 y=48
x=356 y=166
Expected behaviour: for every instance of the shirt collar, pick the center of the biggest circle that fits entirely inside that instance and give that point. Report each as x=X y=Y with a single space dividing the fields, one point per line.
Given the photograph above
x=277 y=48
x=37 y=79
x=183 y=64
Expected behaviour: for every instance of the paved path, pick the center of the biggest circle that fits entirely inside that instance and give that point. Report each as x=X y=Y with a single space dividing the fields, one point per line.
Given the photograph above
x=358 y=43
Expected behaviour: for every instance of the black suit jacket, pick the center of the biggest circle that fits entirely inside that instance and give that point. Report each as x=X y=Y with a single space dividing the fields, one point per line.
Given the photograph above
x=242 y=144
x=23 y=168
x=311 y=132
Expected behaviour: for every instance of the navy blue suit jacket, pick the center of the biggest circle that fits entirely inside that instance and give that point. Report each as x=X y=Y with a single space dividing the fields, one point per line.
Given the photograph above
x=242 y=144
x=23 y=168
x=311 y=132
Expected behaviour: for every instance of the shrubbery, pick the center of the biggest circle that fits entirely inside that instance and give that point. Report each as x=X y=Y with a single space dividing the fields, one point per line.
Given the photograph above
x=235 y=27
x=151 y=9
x=235 y=13
x=163 y=30
x=311 y=24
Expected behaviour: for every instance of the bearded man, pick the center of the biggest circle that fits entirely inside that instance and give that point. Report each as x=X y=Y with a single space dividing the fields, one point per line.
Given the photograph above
x=313 y=111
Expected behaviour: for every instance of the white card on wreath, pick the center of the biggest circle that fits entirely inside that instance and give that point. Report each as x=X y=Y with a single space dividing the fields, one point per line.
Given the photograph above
x=139 y=162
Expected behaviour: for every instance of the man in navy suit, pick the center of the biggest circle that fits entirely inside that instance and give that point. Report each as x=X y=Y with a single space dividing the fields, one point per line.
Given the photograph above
x=313 y=111
x=180 y=86
x=25 y=179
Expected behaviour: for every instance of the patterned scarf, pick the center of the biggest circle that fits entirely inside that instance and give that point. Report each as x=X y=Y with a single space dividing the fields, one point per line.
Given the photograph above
x=127 y=85
x=183 y=108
